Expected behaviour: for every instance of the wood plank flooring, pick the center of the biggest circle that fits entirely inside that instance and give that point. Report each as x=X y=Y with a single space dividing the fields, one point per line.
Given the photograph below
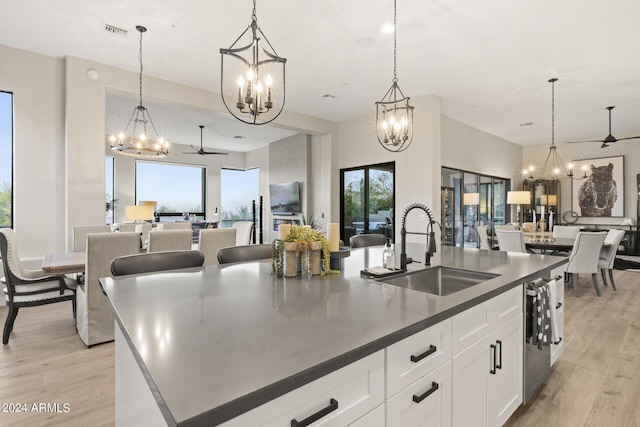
x=596 y=382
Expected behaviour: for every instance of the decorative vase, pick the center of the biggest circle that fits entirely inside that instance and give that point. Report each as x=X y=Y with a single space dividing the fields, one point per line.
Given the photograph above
x=290 y=254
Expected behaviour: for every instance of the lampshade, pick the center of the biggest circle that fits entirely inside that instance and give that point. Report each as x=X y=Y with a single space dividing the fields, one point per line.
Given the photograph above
x=149 y=203
x=471 y=198
x=552 y=199
x=518 y=197
x=138 y=213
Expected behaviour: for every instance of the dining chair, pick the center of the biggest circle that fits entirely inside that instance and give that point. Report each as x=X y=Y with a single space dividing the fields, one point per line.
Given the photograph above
x=144 y=229
x=243 y=233
x=584 y=257
x=169 y=240
x=509 y=227
x=484 y=237
x=608 y=254
x=364 y=240
x=129 y=227
x=244 y=253
x=94 y=320
x=565 y=231
x=212 y=239
x=156 y=261
x=80 y=235
x=28 y=288
x=164 y=226
x=511 y=241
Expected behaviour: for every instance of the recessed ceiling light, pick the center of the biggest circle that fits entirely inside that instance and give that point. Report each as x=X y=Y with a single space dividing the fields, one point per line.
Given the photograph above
x=387 y=28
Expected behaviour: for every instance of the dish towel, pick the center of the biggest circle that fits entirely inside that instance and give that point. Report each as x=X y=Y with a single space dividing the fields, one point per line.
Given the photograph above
x=540 y=313
x=553 y=302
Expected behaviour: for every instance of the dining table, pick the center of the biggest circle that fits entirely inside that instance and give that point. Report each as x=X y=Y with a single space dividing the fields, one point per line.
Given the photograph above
x=64 y=263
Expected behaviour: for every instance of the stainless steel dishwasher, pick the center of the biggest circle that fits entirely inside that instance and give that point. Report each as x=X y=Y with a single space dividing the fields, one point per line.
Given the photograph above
x=537 y=358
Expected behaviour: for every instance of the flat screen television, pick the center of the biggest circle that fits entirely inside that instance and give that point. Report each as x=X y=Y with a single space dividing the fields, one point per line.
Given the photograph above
x=285 y=198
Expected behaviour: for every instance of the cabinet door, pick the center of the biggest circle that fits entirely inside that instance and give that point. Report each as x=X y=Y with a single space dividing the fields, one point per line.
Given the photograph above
x=504 y=389
x=425 y=403
x=557 y=349
x=375 y=418
x=470 y=369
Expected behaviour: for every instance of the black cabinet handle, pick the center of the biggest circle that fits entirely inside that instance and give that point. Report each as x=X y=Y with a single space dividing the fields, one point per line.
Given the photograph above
x=432 y=349
x=493 y=369
x=333 y=405
x=559 y=277
x=499 y=365
x=558 y=305
x=434 y=387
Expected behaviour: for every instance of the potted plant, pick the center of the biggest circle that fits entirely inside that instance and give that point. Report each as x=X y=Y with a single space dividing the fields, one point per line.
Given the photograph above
x=310 y=245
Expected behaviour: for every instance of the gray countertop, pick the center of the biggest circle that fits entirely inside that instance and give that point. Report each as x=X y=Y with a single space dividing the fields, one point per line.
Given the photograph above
x=219 y=341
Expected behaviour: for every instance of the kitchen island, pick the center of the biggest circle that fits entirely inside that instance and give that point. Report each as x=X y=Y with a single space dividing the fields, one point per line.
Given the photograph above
x=211 y=344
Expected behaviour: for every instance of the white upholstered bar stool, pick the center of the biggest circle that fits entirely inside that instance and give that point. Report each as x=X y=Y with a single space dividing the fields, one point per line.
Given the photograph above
x=212 y=239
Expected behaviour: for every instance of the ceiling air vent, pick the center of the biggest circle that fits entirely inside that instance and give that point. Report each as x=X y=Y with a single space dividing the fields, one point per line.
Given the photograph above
x=115 y=31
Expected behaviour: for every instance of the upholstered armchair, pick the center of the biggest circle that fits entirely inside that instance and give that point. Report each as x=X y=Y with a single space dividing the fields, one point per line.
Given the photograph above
x=94 y=316
x=212 y=239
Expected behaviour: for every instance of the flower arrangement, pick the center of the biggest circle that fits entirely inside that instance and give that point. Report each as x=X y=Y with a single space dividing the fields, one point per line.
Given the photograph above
x=304 y=239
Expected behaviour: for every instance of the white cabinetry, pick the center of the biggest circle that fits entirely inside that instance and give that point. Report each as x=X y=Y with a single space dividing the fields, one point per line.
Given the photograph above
x=419 y=378
x=487 y=374
x=337 y=399
x=557 y=349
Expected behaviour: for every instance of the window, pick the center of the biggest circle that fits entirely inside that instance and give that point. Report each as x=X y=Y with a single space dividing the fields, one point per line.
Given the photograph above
x=367 y=200
x=177 y=189
x=110 y=200
x=239 y=188
x=6 y=159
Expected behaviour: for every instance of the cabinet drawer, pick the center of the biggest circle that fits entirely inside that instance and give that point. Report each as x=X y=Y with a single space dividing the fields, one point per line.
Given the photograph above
x=432 y=410
x=415 y=356
x=474 y=323
x=375 y=418
x=355 y=389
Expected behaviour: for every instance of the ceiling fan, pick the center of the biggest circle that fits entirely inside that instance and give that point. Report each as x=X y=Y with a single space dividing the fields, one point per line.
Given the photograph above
x=201 y=151
x=610 y=139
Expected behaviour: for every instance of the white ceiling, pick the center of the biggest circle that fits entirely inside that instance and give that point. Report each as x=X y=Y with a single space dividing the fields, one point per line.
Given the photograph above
x=488 y=60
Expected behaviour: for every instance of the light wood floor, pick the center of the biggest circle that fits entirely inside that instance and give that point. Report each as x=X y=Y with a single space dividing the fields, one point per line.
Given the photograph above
x=596 y=382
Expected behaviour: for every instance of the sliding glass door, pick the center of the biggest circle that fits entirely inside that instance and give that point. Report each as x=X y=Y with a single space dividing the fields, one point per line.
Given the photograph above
x=367 y=200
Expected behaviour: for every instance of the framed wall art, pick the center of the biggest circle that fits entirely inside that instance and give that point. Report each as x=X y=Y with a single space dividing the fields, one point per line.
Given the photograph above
x=601 y=194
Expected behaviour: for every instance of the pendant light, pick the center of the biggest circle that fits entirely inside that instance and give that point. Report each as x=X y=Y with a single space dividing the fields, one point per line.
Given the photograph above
x=394 y=115
x=137 y=141
x=554 y=166
x=254 y=75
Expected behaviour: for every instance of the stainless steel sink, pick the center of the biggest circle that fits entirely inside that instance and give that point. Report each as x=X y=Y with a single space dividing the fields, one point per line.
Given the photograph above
x=440 y=280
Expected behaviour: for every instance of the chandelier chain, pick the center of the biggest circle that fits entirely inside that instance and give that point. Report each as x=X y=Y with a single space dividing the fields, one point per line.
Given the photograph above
x=395 y=77
x=254 y=16
x=553 y=111
x=140 y=57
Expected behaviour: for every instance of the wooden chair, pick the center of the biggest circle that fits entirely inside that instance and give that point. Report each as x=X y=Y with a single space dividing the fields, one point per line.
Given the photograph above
x=511 y=241
x=584 y=257
x=156 y=261
x=169 y=240
x=244 y=253
x=212 y=239
x=28 y=288
x=94 y=319
x=364 y=240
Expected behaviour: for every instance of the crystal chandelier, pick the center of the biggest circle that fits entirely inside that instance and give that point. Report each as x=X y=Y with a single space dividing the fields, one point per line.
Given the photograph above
x=394 y=115
x=138 y=142
x=554 y=166
x=255 y=75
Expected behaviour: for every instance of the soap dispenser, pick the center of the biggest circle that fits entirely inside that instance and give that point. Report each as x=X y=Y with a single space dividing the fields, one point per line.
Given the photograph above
x=388 y=257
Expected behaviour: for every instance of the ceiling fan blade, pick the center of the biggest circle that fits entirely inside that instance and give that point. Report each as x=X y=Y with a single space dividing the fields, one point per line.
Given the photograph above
x=190 y=152
x=590 y=140
x=630 y=137
x=216 y=152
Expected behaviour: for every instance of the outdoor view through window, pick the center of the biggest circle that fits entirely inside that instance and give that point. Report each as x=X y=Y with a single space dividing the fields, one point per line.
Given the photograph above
x=6 y=166
x=239 y=188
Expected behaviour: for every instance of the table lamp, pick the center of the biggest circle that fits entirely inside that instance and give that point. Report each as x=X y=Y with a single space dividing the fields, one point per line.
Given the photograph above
x=138 y=213
x=150 y=203
x=518 y=198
